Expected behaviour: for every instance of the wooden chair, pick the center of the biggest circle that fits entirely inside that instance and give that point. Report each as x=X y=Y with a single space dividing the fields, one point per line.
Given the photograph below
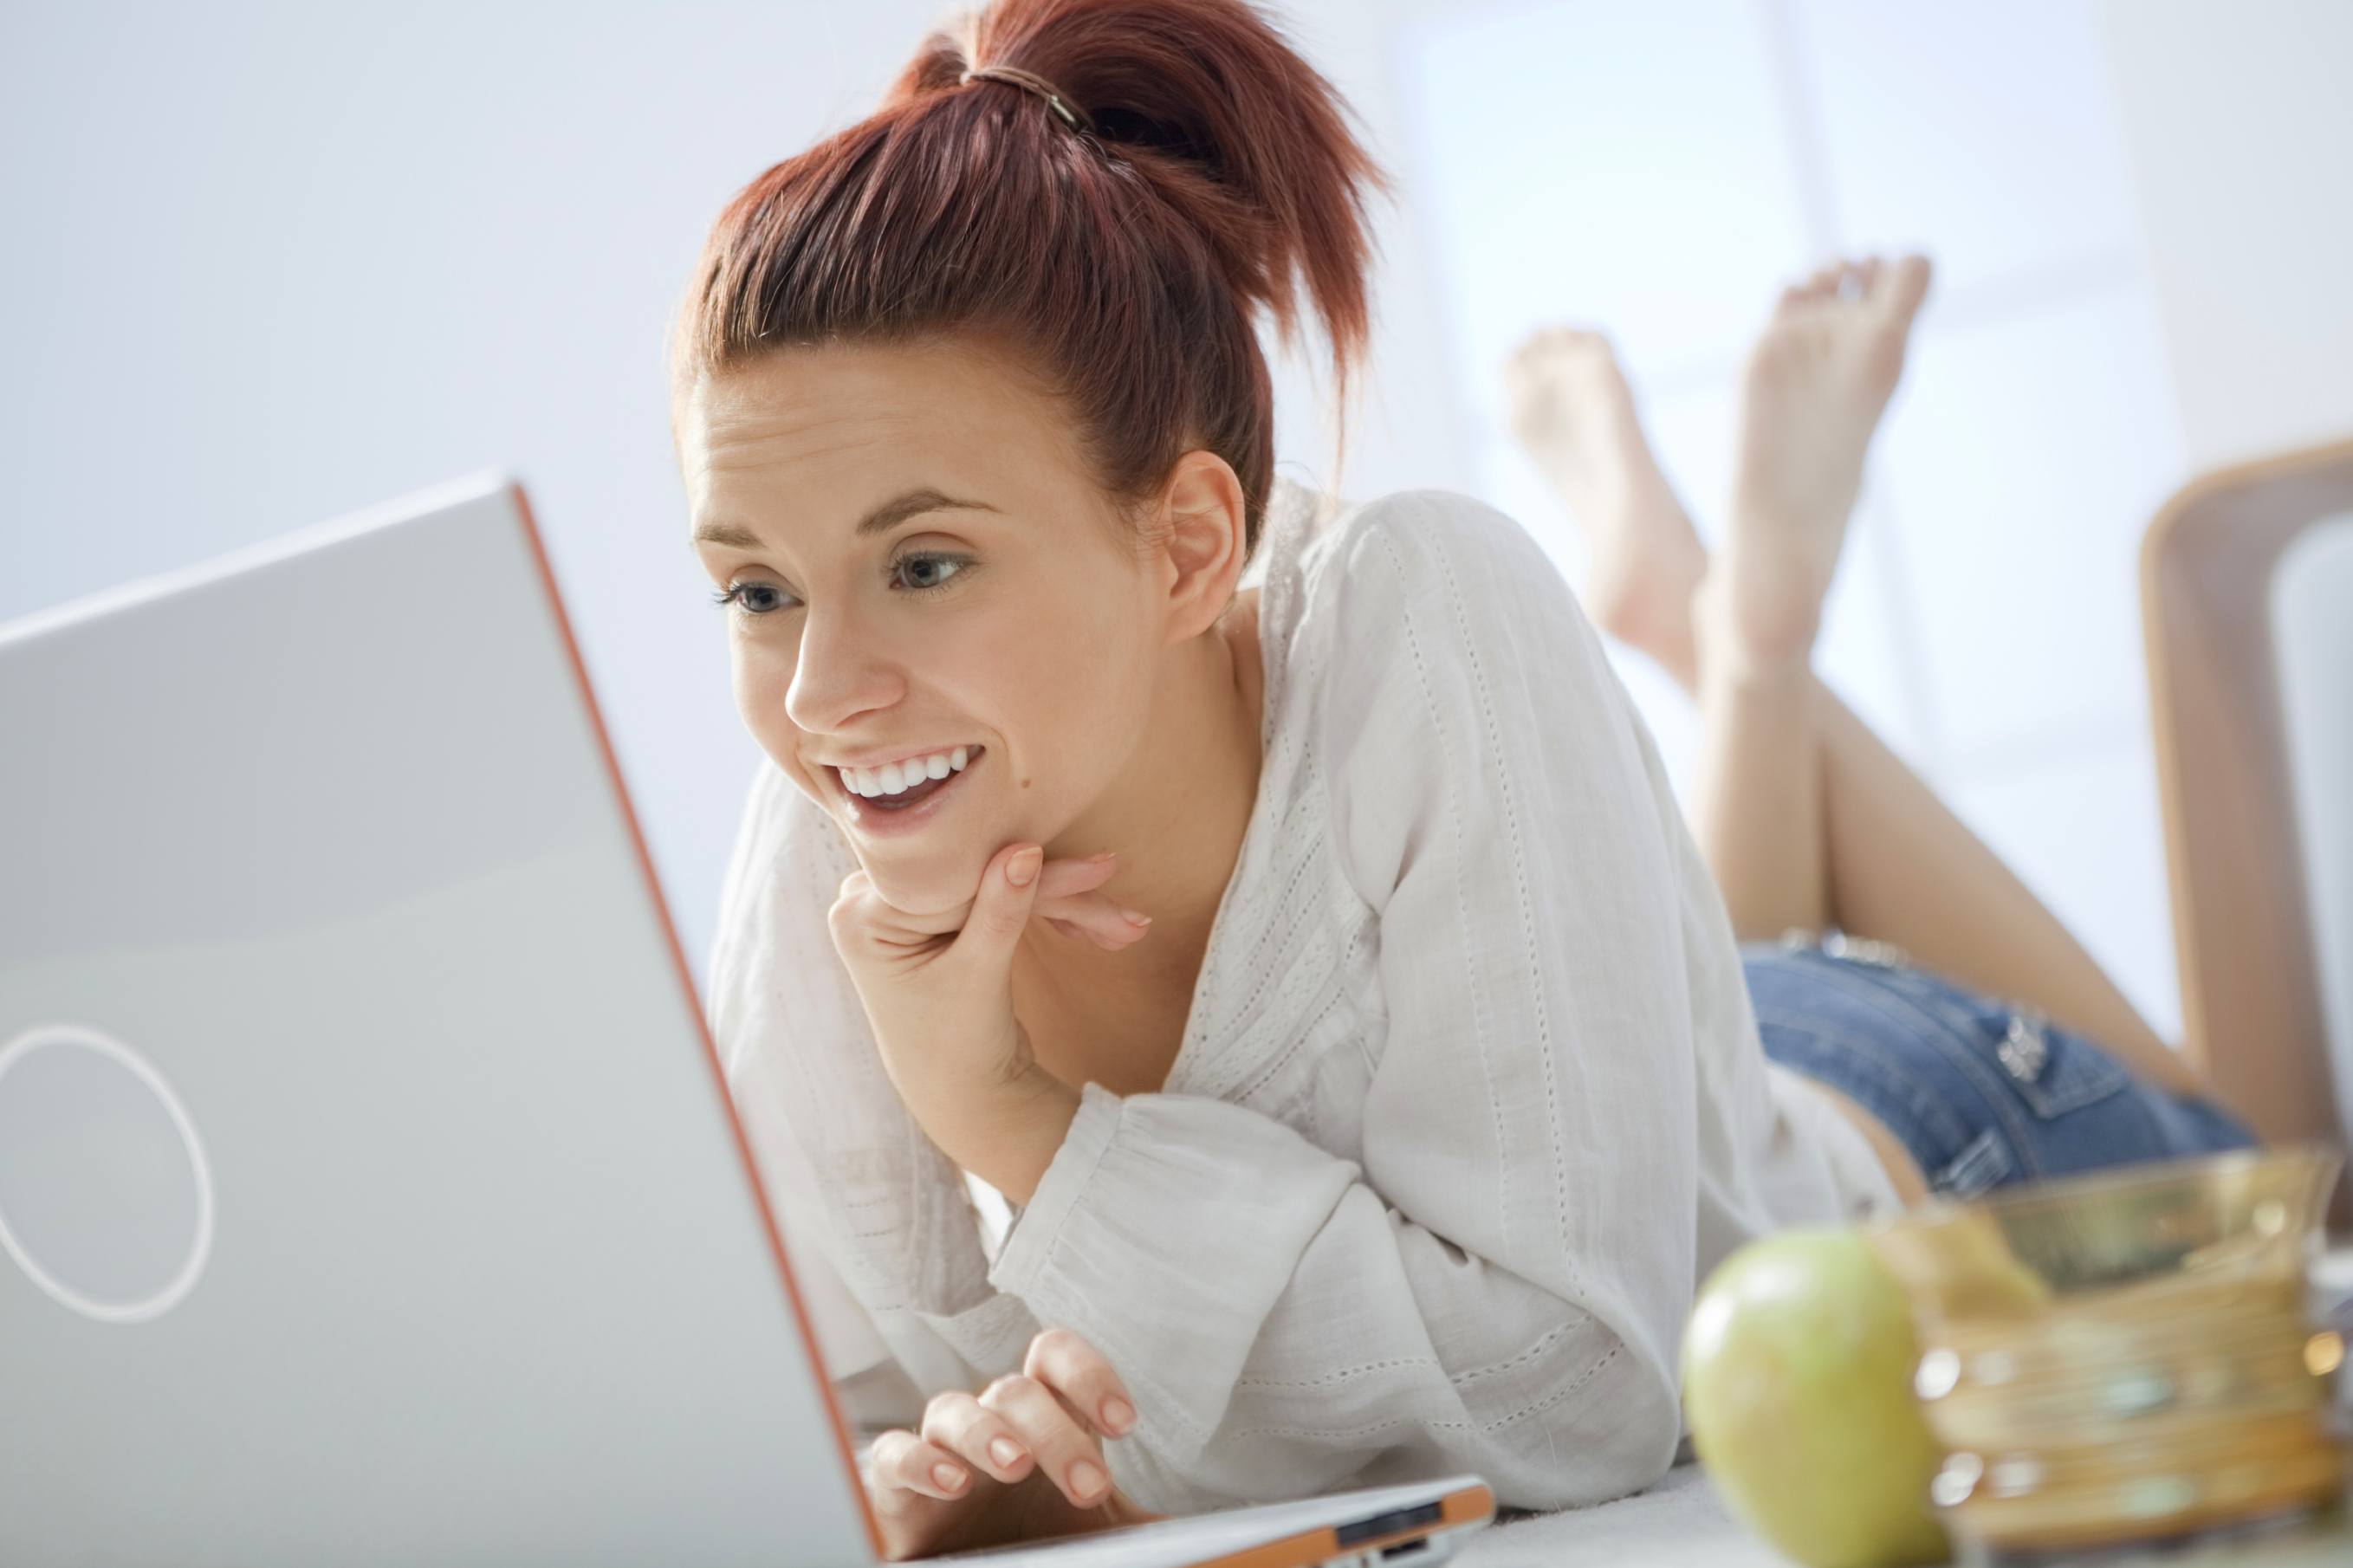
x=2251 y=1004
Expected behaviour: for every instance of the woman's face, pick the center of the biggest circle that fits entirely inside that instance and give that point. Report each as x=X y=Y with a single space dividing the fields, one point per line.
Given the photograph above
x=918 y=564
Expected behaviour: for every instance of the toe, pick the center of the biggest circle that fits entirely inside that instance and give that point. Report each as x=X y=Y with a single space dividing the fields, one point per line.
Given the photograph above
x=1904 y=285
x=1548 y=344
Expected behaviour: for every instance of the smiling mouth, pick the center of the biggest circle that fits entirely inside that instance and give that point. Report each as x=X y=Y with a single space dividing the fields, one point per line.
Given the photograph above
x=912 y=795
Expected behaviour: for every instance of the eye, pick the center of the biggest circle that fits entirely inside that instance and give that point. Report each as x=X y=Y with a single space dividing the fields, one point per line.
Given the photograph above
x=933 y=563
x=747 y=598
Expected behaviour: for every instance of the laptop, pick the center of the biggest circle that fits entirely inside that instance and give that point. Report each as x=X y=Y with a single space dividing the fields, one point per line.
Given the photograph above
x=369 y=1189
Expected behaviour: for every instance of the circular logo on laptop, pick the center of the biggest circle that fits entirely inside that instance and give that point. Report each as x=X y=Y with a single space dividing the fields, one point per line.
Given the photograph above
x=106 y=1201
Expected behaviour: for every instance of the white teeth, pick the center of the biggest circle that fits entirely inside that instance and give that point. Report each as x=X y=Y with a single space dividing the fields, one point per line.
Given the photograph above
x=896 y=778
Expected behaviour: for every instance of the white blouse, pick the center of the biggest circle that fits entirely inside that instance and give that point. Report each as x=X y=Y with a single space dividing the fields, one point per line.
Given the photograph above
x=1469 y=1101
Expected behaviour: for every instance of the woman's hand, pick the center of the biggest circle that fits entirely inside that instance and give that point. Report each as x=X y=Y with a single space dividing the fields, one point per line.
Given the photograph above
x=1068 y=902
x=1022 y=1461
x=938 y=992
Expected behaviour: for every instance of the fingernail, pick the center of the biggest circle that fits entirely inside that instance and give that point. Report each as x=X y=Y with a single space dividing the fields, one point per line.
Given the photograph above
x=947 y=1477
x=1136 y=917
x=1118 y=1413
x=1022 y=869
x=1086 y=1477
x=1006 y=1452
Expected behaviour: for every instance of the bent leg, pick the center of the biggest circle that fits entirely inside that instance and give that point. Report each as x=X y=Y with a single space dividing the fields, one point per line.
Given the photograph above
x=1807 y=819
x=1760 y=800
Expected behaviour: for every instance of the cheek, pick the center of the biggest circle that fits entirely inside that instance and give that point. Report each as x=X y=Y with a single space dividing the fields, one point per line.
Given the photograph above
x=1070 y=688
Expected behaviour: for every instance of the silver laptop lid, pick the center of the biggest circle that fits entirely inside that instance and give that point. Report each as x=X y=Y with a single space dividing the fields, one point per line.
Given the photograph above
x=369 y=1185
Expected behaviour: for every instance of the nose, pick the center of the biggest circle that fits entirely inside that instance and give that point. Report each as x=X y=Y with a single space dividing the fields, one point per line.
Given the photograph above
x=842 y=670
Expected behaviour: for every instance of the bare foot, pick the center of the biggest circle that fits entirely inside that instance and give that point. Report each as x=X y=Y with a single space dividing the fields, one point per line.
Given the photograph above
x=1573 y=414
x=1818 y=380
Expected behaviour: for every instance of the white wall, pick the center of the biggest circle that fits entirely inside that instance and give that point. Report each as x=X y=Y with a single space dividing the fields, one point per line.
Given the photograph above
x=2239 y=122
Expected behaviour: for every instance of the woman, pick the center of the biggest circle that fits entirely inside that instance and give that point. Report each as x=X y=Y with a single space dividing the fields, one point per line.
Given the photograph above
x=1319 y=959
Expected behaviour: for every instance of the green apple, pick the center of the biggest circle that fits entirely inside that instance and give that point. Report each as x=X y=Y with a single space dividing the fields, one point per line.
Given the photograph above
x=1796 y=1371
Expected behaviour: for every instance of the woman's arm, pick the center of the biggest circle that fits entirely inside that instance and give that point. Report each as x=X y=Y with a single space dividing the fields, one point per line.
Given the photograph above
x=1500 y=1285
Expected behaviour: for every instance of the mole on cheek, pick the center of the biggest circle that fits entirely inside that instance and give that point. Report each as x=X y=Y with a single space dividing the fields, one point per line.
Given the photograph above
x=1025 y=784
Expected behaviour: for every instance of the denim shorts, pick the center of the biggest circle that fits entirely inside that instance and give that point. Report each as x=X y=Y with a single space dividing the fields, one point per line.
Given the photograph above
x=1982 y=1091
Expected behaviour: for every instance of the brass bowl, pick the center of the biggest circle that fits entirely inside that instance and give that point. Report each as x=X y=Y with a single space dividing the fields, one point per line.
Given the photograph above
x=2126 y=1356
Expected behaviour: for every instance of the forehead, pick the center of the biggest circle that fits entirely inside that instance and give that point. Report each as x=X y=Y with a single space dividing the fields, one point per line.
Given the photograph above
x=831 y=423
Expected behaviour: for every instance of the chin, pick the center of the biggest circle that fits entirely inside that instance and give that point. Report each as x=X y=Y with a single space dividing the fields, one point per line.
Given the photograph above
x=924 y=882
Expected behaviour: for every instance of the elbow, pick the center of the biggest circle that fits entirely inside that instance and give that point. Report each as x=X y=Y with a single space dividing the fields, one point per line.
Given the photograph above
x=1614 y=1438
x=1642 y=1458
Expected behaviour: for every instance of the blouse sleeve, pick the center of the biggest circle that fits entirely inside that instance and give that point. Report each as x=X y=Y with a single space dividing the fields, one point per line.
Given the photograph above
x=1500 y=1285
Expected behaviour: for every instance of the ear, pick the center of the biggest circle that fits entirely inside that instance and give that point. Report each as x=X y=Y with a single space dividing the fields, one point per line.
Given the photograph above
x=1203 y=535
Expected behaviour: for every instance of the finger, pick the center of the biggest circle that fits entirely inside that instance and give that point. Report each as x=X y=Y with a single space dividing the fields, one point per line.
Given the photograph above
x=906 y=1468
x=861 y=912
x=959 y=1423
x=1104 y=920
x=1078 y=1372
x=1008 y=889
x=1064 y=877
x=1066 y=1451
x=1080 y=933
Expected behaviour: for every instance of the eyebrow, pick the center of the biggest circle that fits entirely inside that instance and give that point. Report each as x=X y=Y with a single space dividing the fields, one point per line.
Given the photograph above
x=889 y=515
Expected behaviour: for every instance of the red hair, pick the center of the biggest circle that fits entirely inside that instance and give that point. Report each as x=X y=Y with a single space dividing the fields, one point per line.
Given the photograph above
x=1123 y=265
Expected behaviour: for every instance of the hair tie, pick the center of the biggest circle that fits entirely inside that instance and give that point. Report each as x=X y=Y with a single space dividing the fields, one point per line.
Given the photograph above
x=1037 y=84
